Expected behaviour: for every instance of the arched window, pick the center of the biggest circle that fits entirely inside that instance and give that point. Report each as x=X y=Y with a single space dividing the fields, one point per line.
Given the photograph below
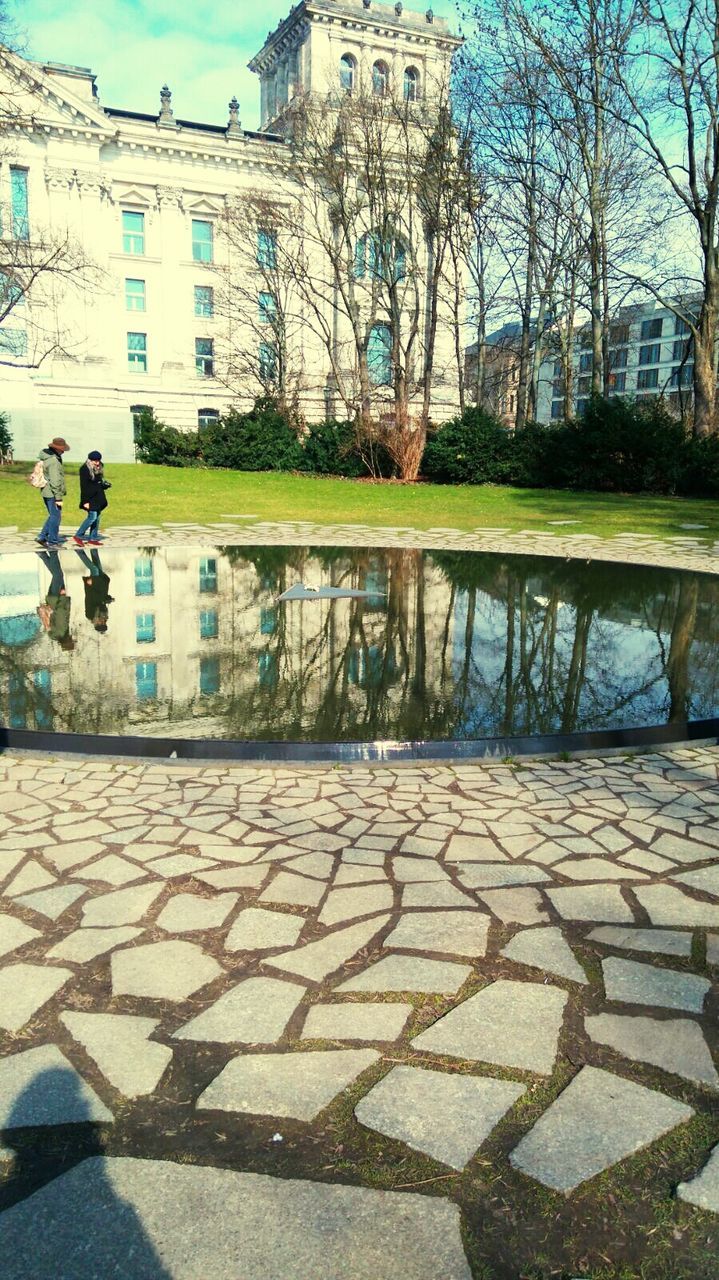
x=379 y=355
x=380 y=79
x=348 y=72
x=411 y=85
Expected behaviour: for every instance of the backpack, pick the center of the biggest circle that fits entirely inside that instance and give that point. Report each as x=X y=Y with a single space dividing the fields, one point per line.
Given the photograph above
x=37 y=477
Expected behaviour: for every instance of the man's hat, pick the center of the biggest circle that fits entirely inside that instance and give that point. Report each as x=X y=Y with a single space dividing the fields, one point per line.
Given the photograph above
x=59 y=444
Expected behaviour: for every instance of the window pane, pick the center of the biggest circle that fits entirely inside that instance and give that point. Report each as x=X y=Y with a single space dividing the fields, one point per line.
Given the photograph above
x=347 y=73
x=268 y=362
x=209 y=626
x=650 y=355
x=411 y=85
x=145 y=628
x=267 y=670
x=144 y=577
x=13 y=341
x=204 y=300
x=268 y=621
x=202 y=241
x=208 y=574
x=380 y=79
x=137 y=352
x=204 y=357
x=135 y=295
x=209 y=675
x=42 y=681
x=146 y=680
x=205 y=417
x=267 y=250
x=379 y=355
x=17 y=701
x=133 y=232
x=267 y=308
x=585 y=362
x=647 y=378
x=557 y=409
x=18 y=196
x=652 y=329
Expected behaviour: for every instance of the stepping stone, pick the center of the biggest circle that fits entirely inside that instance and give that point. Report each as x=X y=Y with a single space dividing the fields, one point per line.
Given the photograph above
x=496 y=875
x=411 y=870
x=706 y=880
x=178 y=864
x=25 y=988
x=233 y=877
x=447 y=1117
x=515 y=906
x=292 y=1085
x=40 y=1087
x=15 y=933
x=187 y=912
x=319 y=865
x=713 y=948
x=511 y=1024
x=86 y=944
x=661 y=941
x=258 y=930
x=545 y=949
x=112 y=870
x=31 y=876
x=147 y=1210
x=364 y=857
x=121 y=1048
x=468 y=848
x=434 y=895
x=162 y=970
x=676 y=1045
x=347 y=874
x=347 y=904
x=410 y=973
x=629 y=982
x=254 y=1012
x=317 y=960
x=703 y=1190
x=458 y=933
x=356 y=1021
x=53 y=902
x=596 y=1121
x=127 y=906
x=595 y=902
x=596 y=869
x=682 y=850
x=65 y=856
x=294 y=890
x=668 y=906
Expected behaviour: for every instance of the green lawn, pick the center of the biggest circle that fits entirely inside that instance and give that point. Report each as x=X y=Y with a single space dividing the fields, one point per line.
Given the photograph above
x=149 y=495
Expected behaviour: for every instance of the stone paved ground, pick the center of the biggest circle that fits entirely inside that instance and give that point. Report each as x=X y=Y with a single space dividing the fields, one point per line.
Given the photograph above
x=360 y=1022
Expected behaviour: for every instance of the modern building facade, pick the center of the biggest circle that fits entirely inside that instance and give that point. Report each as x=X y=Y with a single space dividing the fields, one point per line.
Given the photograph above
x=140 y=198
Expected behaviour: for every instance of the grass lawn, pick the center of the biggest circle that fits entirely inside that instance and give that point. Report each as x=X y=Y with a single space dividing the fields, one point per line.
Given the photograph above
x=149 y=495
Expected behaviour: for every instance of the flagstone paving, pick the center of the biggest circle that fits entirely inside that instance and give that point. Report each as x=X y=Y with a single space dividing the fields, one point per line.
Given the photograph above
x=447 y=985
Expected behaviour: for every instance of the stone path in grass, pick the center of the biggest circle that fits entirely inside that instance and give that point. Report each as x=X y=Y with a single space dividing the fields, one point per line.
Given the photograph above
x=486 y=966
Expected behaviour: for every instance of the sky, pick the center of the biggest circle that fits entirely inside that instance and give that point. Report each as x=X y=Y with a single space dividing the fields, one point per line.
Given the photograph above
x=135 y=46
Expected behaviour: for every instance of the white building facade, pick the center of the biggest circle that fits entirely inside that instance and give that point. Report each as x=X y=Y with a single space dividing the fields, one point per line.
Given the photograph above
x=142 y=196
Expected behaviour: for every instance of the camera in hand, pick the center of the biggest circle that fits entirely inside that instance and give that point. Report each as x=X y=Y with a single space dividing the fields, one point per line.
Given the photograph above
x=106 y=484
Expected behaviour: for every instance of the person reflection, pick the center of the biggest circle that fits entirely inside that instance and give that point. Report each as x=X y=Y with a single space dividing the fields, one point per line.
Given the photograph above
x=80 y=1228
x=97 y=591
x=54 y=614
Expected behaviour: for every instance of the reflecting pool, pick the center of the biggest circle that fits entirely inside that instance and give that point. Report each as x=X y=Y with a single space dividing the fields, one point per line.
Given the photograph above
x=196 y=643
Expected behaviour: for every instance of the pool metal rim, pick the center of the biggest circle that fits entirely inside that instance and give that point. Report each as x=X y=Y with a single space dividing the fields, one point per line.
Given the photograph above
x=279 y=752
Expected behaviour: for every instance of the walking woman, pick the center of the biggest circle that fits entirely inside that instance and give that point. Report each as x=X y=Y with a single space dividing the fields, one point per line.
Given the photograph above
x=93 y=500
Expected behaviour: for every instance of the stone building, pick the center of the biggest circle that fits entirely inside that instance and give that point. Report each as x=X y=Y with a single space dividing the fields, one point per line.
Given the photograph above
x=142 y=195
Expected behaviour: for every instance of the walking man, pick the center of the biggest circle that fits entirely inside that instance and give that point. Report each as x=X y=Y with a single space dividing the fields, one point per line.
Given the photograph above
x=53 y=491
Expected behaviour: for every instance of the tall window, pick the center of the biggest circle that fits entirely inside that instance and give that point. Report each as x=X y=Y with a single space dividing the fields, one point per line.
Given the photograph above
x=144 y=577
x=618 y=359
x=268 y=362
x=204 y=300
x=137 y=352
x=681 y=327
x=145 y=628
x=133 y=232
x=683 y=375
x=42 y=680
x=138 y=411
x=267 y=250
x=209 y=675
x=585 y=362
x=618 y=382
x=206 y=417
x=380 y=79
x=268 y=621
x=19 y=204
x=651 y=329
x=348 y=73
x=135 y=295
x=146 y=680
x=379 y=355
x=208 y=575
x=209 y=625
x=650 y=354
x=382 y=260
x=204 y=357
x=202 y=241
x=682 y=349
x=411 y=85
x=267 y=305
x=647 y=378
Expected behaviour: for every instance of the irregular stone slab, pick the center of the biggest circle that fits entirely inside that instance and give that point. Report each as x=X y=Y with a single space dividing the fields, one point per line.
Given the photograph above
x=65 y=856
x=630 y=982
x=91 y=1220
x=347 y=904
x=434 y=895
x=410 y=870
x=448 y=1117
x=706 y=879
x=294 y=1085
x=596 y=869
x=319 y=865
x=258 y=930
x=162 y=970
x=713 y=948
x=127 y=906
x=511 y=1024
x=594 y=902
x=25 y=988
x=112 y=870
x=178 y=864
x=122 y=1049
x=187 y=912
x=86 y=944
x=317 y=960
x=410 y=973
x=356 y=1021
x=15 y=933
x=347 y=874
x=496 y=875
x=53 y=902
x=32 y=876
x=515 y=906
x=667 y=905
x=679 y=849
x=598 y=1120
x=676 y=1045
x=294 y=890
x=661 y=941
x=256 y=1011
x=233 y=877
x=703 y=1191
x=469 y=848
x=545 y=949
x=458 y=933
x=40 y=1087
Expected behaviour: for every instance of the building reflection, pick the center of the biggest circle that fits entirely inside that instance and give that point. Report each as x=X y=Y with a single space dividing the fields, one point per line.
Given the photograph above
x=195 y=643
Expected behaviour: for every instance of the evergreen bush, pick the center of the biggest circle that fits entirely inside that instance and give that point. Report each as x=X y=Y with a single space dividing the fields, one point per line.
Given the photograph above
x=473 y=449
x=261 y=440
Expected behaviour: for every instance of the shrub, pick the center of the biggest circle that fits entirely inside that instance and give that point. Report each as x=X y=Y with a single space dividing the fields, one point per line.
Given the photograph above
x=623 y=446
x=154 y=442
x=473 y=449
x=261 y=440
x=5 y=436
x=330 y=449
x=700 y=468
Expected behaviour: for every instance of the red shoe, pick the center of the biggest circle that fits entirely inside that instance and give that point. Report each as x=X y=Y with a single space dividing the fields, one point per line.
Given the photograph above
x=93 y=542
x=78 y=541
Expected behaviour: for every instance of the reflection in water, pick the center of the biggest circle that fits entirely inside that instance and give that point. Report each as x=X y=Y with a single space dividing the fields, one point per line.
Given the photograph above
x=437 y=646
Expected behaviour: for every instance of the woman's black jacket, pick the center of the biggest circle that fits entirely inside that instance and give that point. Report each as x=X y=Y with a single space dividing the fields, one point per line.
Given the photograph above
x=91 y=489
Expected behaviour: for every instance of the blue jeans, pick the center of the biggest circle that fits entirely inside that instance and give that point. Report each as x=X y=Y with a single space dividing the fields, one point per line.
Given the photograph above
x=50 y=531
x=90 y=525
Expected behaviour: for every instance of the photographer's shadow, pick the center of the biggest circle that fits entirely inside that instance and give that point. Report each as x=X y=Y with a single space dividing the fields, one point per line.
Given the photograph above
x=66 y=1220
